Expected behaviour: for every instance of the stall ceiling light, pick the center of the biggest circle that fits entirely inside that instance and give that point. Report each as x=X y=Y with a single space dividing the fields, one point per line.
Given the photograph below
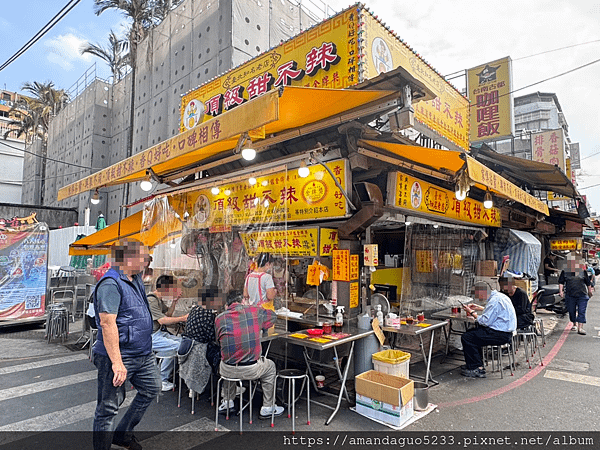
x=146 y=185
x=252 y=181
x=248 y=154
x=215 y=191
x=488 y=202
x=303 y=171
x=95 y=198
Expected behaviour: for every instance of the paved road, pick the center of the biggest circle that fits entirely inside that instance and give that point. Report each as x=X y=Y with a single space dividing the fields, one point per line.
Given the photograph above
x=47 y=387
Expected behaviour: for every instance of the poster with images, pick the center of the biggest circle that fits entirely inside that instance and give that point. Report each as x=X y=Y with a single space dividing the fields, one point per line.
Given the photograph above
x=23 y=270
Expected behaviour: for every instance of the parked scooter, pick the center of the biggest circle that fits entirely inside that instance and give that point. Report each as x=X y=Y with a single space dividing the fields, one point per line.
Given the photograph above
x=546 y=297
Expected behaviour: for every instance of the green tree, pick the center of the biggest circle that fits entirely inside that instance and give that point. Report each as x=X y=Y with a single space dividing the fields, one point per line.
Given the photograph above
x=115 y=55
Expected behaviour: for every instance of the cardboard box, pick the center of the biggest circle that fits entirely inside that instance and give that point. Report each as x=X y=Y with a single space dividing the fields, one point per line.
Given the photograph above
x=488 y=268
x=525 y=285
x=384 y=397
x=491 y=281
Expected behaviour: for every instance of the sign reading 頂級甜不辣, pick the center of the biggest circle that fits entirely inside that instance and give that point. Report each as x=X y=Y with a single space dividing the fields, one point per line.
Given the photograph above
x=489 y=91
x=325 y=56
x=340 y=52
x=275 y=198
x=414 y=194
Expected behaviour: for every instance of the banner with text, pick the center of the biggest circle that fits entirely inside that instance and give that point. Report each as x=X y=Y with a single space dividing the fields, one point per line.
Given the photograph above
x=23 y=270
x=489 y=88
x=279 y=197
x=414 y=194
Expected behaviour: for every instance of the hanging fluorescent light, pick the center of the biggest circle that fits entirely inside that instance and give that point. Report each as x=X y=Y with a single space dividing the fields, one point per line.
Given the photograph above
x=303 y=171
x=173 y=244
x=252 y=181
x=95 y=198
x=215 y=191
x=488 y=201
x=407 y=223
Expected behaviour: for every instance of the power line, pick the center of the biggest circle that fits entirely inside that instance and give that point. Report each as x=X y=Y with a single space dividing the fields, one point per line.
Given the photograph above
x=47 y=158
x=587 y=187
x=556 y=49
x=57 y=18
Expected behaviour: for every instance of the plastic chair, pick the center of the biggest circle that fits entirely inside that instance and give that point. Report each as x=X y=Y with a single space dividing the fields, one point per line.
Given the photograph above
x=291 y=375
x=240 y=384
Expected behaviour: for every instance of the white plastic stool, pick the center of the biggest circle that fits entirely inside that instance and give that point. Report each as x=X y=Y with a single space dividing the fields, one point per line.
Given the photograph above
x=291 y=375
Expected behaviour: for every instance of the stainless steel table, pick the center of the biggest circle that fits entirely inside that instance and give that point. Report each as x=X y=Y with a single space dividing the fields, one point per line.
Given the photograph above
x=419 y=330
x=447 y=314
x=353 y=334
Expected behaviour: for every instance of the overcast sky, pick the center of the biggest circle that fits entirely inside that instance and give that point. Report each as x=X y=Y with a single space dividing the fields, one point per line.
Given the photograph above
x=451 y=36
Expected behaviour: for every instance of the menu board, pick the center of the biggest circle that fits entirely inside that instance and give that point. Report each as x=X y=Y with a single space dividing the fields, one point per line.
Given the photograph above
x=354 y=267
x=354 y=296
x=341 y=265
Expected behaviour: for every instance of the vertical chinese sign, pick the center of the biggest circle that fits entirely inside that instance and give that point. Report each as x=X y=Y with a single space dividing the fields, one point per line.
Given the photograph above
x=341 y=265
x=23 y=270
x=549 y=147
x=489 y=88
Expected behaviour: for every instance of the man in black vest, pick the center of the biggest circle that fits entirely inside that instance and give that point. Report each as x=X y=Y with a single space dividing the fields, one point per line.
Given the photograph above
x=123 y=350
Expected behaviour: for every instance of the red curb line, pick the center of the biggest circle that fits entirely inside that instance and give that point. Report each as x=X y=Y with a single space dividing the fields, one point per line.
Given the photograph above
x=515 y=384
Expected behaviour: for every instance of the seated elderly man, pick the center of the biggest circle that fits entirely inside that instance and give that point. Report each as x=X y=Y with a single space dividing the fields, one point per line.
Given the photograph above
x=520 y=301
x=238 y=330
x=496 y=325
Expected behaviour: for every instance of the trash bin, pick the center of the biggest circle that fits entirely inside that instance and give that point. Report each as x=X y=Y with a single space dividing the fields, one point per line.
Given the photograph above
x=393 y=362
x=421 y=396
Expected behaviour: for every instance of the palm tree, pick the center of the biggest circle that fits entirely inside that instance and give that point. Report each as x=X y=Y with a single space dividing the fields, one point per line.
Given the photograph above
x=32 y=115
x=114 y=55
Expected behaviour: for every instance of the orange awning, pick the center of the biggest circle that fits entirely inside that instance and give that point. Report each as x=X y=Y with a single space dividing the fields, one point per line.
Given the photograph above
x=278 y=111
x=449 y=162
x=151 y=235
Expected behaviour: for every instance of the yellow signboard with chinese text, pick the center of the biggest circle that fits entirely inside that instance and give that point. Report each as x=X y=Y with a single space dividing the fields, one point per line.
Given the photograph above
x=294 y=242
x=328 y=241
x=341 y=51
x=413 y=194
x=483 y=175
x=489 y=88
x=354 y=295
x=424 y=261
x=324 y=56
x=448 y=114
x=279 y=197
x=216 y=130
x=371 y=255
x=565 y=244
x=341 y=265
x=354 y=267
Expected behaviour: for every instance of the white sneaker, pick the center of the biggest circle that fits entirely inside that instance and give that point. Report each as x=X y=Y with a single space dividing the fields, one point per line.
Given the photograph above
x=167 y=386
x=223 y=405
x=266 y=412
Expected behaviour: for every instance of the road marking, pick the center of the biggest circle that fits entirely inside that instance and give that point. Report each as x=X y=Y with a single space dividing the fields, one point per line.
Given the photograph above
x=57 y=419
x=572 y=377
x=185 y=440
x=43 y=363
x=41 y=386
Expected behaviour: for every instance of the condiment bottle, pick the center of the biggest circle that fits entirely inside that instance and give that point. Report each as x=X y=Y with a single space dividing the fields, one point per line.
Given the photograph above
x=379 y=314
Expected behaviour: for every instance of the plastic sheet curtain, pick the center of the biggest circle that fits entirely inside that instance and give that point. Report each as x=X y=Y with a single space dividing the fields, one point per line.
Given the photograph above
x=225 y=227
x=524 y=250
x=439 y=264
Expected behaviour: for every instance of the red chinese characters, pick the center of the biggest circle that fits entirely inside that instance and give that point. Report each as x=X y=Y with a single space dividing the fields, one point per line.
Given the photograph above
x=259 y=85
x=488 y=118
x=288 y=72
x=321 y=58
